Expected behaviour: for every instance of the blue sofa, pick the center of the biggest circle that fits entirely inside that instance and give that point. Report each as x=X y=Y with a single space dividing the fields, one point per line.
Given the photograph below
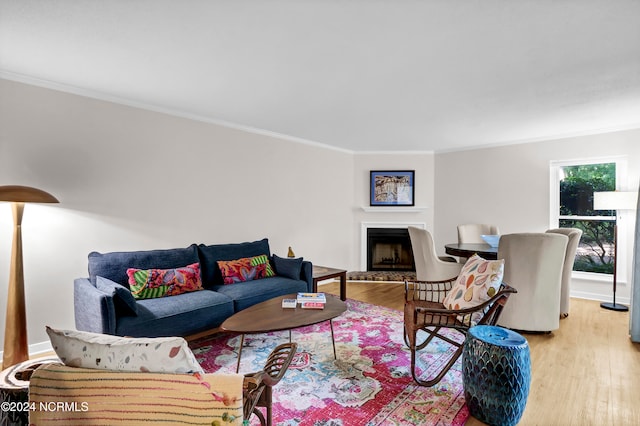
x=104 y=304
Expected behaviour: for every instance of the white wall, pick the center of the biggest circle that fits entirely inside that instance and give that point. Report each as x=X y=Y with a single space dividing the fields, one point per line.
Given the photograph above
x=130 y=179
x=509 y=186
x=423 y=165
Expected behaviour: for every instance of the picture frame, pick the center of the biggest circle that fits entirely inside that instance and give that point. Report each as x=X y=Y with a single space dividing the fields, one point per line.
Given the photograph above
x=392 y=188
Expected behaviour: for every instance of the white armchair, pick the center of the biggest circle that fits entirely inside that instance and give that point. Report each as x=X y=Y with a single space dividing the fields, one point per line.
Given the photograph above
x=470 y=233
x=429 y=267
x=574 y=235
x=533 y=266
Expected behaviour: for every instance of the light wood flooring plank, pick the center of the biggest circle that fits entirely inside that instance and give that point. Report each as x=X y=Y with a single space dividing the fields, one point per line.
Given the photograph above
x=585 y=373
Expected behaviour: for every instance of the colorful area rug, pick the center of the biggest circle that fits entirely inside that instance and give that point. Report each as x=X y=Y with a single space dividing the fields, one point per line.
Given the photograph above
x=399 y=276
x=369 y=384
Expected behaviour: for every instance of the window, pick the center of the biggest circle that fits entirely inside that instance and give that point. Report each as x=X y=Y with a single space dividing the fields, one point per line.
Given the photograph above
x=572 y=187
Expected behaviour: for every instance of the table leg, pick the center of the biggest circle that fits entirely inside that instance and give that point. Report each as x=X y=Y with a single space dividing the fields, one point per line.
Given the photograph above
x=343 y=286
x=240 y=352
x=333 y=340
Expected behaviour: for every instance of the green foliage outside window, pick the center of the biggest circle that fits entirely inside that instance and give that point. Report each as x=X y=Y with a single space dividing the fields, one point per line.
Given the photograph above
x=576 y=199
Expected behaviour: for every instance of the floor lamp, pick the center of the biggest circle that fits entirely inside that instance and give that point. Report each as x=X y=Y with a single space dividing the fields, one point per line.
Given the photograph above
x=16 y=349
x=614 y=200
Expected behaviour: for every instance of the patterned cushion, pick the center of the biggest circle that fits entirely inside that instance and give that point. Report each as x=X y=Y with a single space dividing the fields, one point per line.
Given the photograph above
x=245 y=269
x=152 y=283
x=479 y=281
x=115 y=398
x=106 y=352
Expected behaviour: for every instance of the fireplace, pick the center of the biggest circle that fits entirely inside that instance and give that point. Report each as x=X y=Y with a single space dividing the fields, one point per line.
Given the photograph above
x=389 y=249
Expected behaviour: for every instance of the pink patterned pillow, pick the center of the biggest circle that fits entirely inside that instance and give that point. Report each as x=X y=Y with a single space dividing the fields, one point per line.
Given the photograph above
x=152 y=283
x=245 y=269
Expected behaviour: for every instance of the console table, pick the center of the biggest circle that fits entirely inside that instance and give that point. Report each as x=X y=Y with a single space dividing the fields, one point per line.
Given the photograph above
x=321 y=273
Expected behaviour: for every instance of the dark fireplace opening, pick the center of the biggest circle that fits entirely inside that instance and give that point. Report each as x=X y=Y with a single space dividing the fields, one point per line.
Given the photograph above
x=389 y=249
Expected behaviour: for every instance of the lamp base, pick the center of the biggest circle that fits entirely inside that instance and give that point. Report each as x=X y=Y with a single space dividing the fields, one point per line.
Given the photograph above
x=614 y=307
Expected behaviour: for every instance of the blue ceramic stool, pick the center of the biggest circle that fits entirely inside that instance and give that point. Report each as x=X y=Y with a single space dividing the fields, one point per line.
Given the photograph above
x=496 y=372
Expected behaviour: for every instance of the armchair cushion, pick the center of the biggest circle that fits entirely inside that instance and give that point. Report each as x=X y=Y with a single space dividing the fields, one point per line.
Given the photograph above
x=106 y=352
x=479 y=281
x=125 y=398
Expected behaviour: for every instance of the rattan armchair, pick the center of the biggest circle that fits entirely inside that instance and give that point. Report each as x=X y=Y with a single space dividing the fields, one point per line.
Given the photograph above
x=257 y=387
x=424 y=311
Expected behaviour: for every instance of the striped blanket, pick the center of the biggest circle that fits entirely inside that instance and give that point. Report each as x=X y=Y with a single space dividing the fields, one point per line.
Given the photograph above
x=60 y=395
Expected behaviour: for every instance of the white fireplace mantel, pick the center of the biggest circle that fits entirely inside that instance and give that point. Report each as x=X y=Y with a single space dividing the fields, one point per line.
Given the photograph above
x=363 y=235
x=395 y=209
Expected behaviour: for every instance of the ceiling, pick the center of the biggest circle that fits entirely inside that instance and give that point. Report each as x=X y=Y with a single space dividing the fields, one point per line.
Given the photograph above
x=358 y=75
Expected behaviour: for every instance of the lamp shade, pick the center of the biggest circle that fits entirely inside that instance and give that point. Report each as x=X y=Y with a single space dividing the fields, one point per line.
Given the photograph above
x=615 y=200
x=25 y=194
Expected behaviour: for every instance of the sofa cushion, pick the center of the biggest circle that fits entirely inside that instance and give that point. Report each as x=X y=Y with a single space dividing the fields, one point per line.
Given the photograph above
x=105 y=352
x=248 y=293
x=152 y=283
x=288 y=267
x=123 y=300
x=114 y=265
x=210 y=255
x=245 y=269
x=180 y=315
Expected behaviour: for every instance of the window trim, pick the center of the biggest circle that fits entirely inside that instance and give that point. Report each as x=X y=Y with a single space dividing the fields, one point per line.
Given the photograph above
x=622 y=217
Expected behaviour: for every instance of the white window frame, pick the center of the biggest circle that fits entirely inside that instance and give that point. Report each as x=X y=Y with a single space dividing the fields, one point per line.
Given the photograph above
x=623 y=217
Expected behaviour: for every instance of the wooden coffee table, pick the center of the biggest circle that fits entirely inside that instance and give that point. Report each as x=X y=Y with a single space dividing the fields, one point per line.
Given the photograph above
x=270 y=316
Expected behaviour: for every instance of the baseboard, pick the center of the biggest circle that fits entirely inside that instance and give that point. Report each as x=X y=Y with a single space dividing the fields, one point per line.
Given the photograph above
x=578 y=294
x=37 y=349
x=40 y=348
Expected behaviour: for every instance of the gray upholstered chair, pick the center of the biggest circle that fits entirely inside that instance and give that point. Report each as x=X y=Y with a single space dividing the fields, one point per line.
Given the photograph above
x=429 y=267
x=470 y=233
x=533 y=266
x=574 y=235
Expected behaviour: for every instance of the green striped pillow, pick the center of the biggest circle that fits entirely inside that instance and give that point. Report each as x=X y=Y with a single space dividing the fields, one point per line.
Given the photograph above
x=263 y=259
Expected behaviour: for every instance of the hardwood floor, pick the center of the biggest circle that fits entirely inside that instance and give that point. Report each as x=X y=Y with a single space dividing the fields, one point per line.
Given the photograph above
x=585 y=373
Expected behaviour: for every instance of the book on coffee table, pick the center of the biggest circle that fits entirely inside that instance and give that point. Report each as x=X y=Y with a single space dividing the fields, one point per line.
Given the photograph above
x=289 y=303
x=312 y=297
x=312 y=305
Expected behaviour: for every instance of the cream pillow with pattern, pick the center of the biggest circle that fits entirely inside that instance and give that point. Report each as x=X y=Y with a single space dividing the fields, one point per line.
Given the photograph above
x=106 y=352
x=478 y=281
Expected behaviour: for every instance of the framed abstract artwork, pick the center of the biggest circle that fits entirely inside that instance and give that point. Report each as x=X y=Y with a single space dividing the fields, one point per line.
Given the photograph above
x=392 y=188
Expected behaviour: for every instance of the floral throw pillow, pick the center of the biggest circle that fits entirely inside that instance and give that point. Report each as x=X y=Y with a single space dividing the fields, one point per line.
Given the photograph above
x=479 y=281
x=152 y=283
x=245 y=269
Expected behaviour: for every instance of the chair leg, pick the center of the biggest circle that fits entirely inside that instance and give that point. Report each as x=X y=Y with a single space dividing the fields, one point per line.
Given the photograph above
x=260 y=416
x=441 y=373
x=414 y=349
x=268 y=402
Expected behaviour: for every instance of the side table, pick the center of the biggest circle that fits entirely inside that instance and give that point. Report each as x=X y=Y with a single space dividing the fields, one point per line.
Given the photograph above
x=14 y=390
x=496 y=374
x=321 y=273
